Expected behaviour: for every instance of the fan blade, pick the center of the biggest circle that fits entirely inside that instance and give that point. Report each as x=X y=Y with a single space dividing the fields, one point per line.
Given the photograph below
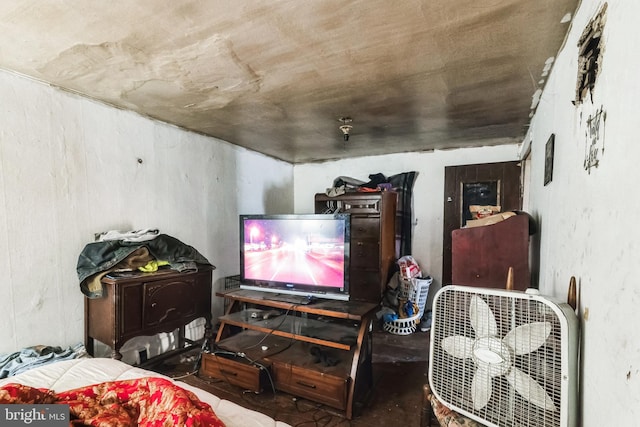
x=481 y=388
x=458 y=346
x=530 y=389
x=482 y=319
x=528 y=337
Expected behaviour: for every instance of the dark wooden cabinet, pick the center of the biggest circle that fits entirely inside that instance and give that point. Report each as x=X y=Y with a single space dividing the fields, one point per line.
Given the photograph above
x=292 y=345
x=137 y=304
x=481 y=256
x=373 y=239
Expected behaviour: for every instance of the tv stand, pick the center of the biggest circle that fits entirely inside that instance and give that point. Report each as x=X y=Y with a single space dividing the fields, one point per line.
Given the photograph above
x=320 y=351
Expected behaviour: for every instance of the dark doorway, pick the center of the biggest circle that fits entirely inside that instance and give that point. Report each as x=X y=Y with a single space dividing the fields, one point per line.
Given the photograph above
x=496 y=184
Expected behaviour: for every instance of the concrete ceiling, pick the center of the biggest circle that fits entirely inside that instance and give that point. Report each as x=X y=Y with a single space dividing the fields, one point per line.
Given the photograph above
x=275 y=76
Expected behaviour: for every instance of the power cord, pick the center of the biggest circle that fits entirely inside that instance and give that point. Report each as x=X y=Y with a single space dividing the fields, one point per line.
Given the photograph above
x=262 y=367
x=188 y=374
x=206 y=344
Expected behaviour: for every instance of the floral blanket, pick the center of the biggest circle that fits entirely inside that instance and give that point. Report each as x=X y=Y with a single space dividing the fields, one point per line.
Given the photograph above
x=445 y=416
x=146 y=402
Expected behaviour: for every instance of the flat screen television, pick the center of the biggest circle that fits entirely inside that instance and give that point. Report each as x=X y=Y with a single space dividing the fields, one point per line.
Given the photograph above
x=306 y=255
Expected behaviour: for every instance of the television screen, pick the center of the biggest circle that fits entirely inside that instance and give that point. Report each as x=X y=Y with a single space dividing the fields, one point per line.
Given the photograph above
x=296 y=254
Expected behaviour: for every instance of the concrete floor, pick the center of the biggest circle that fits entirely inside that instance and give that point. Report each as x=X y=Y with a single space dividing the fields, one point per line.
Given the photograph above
x=399 y=371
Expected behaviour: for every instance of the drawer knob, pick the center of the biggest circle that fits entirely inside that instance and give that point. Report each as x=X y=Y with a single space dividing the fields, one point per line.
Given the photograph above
x=153 y=305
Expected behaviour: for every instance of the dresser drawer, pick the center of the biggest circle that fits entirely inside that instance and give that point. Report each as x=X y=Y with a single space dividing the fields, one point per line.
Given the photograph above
x=365 y=253
x=317 y=386
x=362 y=206
x=365 y=285
x=365 y=228
x=237 y=371
x=364 y=278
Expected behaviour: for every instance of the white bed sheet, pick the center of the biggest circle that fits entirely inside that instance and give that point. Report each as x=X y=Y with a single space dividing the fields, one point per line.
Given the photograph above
x=70 y=374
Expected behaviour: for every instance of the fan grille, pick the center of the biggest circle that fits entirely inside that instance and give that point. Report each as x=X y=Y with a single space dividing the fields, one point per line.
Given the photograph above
x=451 y=374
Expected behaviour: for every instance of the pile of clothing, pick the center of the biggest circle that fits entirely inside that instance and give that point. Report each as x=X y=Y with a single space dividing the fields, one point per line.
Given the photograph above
x=345 y=184
x=126 y=251
x=30 y=357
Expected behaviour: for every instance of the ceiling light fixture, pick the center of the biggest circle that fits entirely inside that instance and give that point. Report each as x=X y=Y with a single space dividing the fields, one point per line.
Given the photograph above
x=346 y=127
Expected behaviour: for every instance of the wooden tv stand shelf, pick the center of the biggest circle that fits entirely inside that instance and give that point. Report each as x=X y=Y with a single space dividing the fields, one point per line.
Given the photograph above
x=320 y=351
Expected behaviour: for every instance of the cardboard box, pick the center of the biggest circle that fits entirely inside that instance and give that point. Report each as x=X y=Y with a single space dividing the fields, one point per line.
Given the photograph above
x=488 y=220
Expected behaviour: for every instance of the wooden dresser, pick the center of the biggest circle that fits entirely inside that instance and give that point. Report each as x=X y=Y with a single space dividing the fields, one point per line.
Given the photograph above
x=373 y=239
x=136 y=304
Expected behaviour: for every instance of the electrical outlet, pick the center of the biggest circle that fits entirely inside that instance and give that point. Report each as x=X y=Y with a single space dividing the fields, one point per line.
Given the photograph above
x=142 y=355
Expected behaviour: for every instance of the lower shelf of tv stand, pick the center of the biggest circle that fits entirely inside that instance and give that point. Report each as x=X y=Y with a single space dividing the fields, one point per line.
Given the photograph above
x=303 y=369
x=256 y=347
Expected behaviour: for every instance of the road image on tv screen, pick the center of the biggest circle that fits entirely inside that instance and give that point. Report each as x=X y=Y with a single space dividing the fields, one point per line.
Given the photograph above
x=308 y=252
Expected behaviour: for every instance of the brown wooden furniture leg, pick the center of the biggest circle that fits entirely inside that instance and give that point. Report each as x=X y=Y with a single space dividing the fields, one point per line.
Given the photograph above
x=572 y=298
x=425 y=413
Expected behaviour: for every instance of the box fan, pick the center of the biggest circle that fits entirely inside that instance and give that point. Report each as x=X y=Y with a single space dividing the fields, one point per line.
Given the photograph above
x=504 y=358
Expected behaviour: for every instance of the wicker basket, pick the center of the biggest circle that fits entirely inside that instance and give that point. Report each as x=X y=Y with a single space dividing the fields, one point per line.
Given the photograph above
x=405 y=326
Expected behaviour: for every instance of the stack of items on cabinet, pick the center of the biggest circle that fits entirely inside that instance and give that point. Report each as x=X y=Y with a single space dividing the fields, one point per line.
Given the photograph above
x=486 y=215
x=405 y=299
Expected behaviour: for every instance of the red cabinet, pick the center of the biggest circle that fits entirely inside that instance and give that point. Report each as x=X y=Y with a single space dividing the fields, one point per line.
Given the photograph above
x=481 y=256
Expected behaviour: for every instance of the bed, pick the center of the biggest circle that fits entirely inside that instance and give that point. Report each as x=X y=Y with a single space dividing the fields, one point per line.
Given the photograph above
x=64 y=378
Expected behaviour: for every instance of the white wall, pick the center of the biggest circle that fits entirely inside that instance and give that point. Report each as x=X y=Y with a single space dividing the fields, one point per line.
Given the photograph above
x=588 y=219
x=71 y=167
x=428 y=190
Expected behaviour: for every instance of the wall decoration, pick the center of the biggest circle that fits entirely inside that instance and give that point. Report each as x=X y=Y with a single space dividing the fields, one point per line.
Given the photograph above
x=548 y=159
x=594 y=138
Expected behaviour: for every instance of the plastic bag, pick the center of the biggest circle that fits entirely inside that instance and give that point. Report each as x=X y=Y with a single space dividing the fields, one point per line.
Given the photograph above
x=409 y=268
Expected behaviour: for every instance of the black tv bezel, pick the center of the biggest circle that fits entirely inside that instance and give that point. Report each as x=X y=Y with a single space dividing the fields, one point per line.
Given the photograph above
x=319 y=291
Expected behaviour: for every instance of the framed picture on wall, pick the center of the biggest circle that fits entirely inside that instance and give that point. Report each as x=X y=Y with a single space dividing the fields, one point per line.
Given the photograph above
x=548 y=160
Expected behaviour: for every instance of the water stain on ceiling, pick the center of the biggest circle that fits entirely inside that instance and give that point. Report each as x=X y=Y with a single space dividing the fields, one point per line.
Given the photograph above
x=277 y=76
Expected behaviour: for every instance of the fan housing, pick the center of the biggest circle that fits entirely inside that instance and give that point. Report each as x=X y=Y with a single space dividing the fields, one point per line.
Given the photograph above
x=504 y=358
